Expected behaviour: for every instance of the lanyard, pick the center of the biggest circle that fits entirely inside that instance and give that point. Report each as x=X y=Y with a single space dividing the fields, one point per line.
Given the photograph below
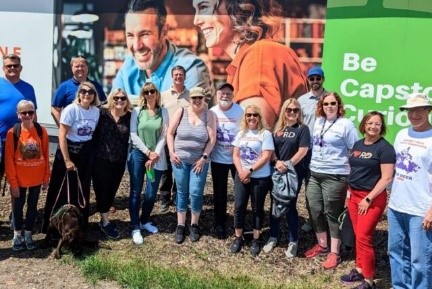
x=324 y=131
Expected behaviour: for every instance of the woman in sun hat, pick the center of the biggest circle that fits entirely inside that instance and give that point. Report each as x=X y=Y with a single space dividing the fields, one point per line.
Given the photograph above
x=410 y=205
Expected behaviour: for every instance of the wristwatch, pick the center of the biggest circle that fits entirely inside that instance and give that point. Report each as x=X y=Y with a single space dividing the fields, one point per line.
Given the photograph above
x=251 y=169
x=205 y=156
x=368 y=200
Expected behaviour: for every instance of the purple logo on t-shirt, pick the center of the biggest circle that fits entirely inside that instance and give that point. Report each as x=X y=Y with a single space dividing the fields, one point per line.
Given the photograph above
x=223 y=135
x=404 y=162
x=85 y=130
x=247 y=153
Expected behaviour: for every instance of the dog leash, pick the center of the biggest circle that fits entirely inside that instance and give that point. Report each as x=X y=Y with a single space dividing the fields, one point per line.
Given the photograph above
x=80 y=192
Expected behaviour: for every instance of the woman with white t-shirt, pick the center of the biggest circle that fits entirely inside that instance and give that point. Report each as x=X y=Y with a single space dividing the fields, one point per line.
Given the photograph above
x=75 y=153
x=253 y=147
x=333 y=138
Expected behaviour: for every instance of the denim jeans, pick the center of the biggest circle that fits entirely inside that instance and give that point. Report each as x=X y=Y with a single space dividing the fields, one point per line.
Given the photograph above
x=410 y=251
x=137 y=171
x=220 y=174
x=189 y=186
x=18 y=206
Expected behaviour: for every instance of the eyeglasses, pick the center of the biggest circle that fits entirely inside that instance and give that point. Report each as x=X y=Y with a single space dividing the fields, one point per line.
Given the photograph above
x=374 y=124
x=117 y=98
x=90 y=92
x=197 y=97
x=15 y=66
x=25 y=113
x=150 y=91
x=315 y=78
x=252 y=114
x=292 y=110
x=332 y=103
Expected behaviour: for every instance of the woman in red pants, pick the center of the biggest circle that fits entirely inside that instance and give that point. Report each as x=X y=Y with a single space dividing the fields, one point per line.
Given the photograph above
x=372 y=162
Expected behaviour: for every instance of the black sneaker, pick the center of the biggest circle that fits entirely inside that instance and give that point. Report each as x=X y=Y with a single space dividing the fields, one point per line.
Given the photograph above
x=353 y=276
x=236 y=245
x=194 y=233
x=110 y=230
x=220 y=232
x=180 y=234
x=365 y=285
x=255 y=247
x=18 y=243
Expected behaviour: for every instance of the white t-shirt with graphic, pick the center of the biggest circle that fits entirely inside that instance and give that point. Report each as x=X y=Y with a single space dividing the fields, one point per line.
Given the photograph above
x=82 y=122
x=228 y=124
x=251 y=145
x=411 y=191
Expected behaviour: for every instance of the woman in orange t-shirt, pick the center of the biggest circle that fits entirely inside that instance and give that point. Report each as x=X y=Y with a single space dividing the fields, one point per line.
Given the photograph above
x=27 y=167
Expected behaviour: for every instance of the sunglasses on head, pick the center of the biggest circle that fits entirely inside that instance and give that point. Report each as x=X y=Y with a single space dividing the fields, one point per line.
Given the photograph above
x=252 y=114
x=150 y=91
x=117 y=98
x=25 y=113
x=315 y=78
x=87 y=91
x=292 y=110
x=332 y=103
x=15 y=66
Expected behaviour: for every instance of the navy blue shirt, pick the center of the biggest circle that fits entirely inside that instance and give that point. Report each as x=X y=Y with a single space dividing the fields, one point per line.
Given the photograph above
x=66 y=93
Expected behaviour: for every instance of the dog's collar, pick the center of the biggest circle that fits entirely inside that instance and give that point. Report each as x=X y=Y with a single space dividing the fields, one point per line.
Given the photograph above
x=62 y=210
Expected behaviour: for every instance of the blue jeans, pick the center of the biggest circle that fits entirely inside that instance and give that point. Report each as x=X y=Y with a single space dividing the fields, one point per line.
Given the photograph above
x=137 y=171
x=189 y=185
x=18 y=206
x=410 y=251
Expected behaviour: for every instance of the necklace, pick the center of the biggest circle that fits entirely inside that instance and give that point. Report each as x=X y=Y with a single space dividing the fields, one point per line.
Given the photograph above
x=324 y=131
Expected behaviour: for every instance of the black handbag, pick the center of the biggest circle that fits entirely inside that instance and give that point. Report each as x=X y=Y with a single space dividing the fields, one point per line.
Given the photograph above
x=347 y=235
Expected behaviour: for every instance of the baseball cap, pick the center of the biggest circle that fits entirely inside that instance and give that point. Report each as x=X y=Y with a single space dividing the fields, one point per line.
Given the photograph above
x=226 y=84
x=316 y=70
x=197 y=91
x=416 y=100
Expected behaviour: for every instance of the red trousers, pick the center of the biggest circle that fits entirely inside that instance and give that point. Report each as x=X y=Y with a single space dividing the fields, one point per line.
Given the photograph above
x=364 y=228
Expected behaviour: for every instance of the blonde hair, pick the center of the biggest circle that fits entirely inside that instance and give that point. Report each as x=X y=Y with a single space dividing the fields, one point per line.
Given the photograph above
x=244 y=125
x=282 y=120
x=114 y=92
x=143 y=101
x=95 y=101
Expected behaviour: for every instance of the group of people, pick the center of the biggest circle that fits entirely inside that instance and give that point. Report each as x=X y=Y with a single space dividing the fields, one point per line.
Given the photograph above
x=171 y=138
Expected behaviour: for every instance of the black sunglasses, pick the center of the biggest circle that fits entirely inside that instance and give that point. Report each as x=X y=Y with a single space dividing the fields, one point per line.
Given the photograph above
x=315 y=78
x=252 y=114
x=85 y=91
x=150 y=91
x=197 y=97
x=332 y=103
x=15 y=66
x=292 y=110
x=117 y=98
x=25 y=113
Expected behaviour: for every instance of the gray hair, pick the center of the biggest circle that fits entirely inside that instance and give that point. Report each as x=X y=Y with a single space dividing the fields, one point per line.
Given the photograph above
x=23 y=103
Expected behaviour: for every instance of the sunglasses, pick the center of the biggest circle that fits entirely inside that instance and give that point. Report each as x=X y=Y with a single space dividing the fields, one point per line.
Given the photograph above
x=378 y=124
x=333 y=103
x=15 y=66
x=315 y=78
x=85 y=91
x=148 y=92
x=25 y=113
x=292 y=110
x=117 y=98
x=197 y=97
x=252 y=114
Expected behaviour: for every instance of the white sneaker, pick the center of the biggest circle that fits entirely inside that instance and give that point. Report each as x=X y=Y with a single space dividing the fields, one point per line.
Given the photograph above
x=149 y=227
x=137 y=237
x=291 y=252
x=271 y=243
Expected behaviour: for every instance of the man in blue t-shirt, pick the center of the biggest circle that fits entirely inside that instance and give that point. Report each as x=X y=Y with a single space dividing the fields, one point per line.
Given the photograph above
x=67 y=90
x=12 y=90
x=152 y=55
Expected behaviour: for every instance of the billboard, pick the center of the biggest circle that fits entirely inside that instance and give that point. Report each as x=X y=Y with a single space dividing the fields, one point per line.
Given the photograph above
x=376 y=52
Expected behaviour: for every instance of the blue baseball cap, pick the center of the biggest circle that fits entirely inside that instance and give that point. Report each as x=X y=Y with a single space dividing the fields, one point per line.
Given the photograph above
x=316 y=70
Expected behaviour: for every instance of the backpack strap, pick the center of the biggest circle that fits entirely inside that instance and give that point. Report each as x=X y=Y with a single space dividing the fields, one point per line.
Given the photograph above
x=17 y=132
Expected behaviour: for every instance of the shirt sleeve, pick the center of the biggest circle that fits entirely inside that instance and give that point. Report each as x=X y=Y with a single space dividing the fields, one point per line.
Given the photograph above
x=10 y=170
x=67 y=116
x=267 y=143
x=59 y=97
x=45 y=152
x=305 y=138
x=351 y=134
x=388 y=154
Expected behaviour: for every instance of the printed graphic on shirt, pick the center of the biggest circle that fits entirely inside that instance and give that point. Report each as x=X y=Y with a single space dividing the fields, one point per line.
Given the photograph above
x=248 y=153
x=30 y=150
x=84 y=129
x=318 y=141
x=361 y=155
x=286 y=134
x=223 y=134
x=405 y=163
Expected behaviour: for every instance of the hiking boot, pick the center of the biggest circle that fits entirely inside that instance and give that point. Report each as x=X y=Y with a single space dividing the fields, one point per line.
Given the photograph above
x=29 y=243
x=236 y=245
x=180 y=234
x=316 y=250
x=110 y=230
x=255 y=247
x=137 y=238
x=18 y=243
x=353 y=276
x=271 y=243
x=194 y=233
x=220 y=232
x=332 y=261
x=149 y=227
x=365 y=285
x=291 y=251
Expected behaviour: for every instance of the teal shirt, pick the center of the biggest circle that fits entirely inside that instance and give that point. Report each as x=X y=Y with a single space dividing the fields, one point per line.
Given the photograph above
x=149 y=128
